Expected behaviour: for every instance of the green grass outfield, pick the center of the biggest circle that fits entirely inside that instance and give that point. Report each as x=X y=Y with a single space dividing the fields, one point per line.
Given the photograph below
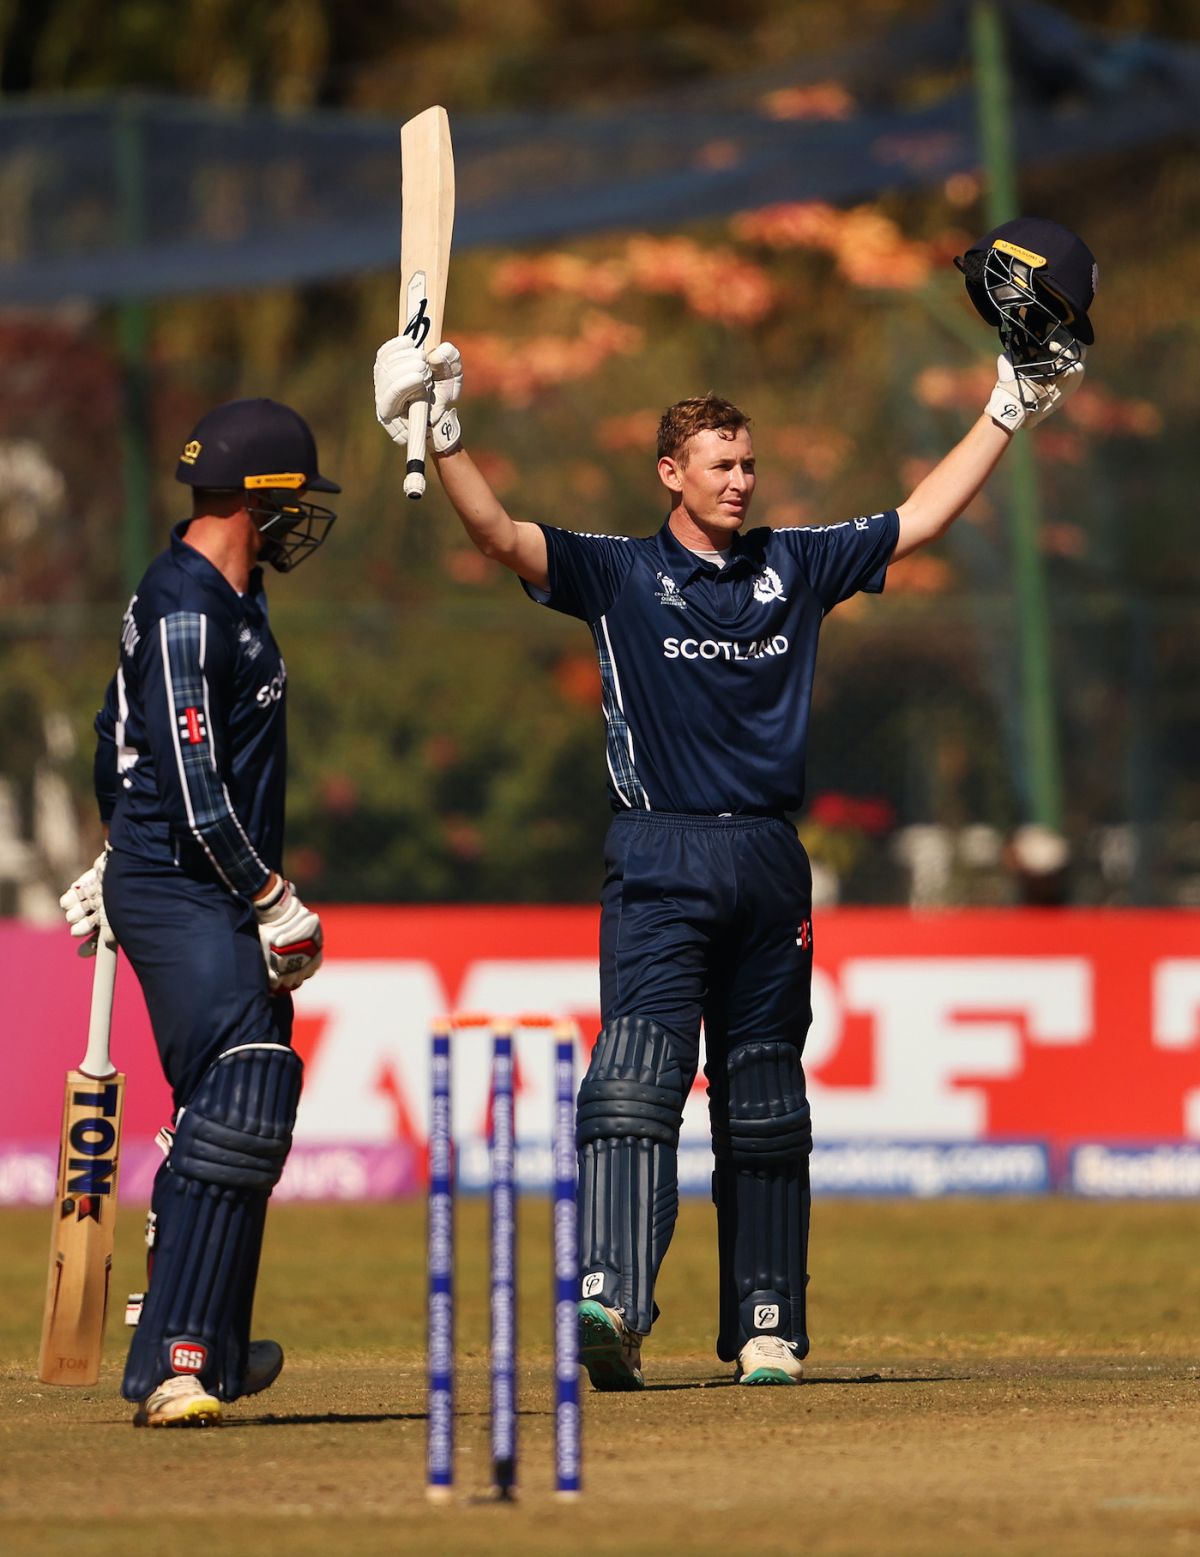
x=1016 y=1377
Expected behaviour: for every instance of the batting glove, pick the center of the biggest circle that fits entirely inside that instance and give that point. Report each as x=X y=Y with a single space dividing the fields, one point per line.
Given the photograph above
x=291 y=938
x=83 y=904
x=1021 y=402
x=446 y=364
x=402 y=377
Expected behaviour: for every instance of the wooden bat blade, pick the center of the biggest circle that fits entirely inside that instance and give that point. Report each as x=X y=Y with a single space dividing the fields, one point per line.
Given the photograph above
x=81 y=1232
x=426 y=231
x=85 y=1205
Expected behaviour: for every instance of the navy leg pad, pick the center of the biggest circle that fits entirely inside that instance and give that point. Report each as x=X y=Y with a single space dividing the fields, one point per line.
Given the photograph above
x=633 y=1086
x=762 y=1139
x=229 y=1150
x=627 y=1131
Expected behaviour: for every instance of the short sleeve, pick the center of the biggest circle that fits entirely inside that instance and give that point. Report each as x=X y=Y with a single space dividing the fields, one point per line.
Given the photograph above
x=838 y=560
x=587 y=572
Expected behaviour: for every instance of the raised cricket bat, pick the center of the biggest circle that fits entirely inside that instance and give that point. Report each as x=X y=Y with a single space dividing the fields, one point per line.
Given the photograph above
x=85 y=1207
x=426 y=227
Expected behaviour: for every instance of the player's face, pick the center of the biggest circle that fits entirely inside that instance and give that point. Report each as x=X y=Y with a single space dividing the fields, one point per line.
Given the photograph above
x=715 y=479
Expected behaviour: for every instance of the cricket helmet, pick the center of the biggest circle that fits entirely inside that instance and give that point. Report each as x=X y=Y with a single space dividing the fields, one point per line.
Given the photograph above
x=1035 y=280
x=268 y=451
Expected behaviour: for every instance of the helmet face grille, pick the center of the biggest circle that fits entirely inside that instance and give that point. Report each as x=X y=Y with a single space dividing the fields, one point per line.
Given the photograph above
x=1035 y=323
x=291 y=529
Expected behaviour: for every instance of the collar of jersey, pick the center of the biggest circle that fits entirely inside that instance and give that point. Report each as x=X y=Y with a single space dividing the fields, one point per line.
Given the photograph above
x=202 y=570
x=680 y=560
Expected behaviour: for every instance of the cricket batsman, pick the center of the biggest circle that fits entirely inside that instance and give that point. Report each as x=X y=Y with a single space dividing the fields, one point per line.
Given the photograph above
x=706 y=635
x=190 y=777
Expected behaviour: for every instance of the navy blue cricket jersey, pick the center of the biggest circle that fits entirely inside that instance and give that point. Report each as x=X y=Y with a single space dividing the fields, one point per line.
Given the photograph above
x=707 y=671
x=192 y=751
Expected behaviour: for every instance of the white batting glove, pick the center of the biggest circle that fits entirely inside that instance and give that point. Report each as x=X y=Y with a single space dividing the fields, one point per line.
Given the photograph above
x=1022 y=402
x=402 y=377
x=83 y=904
x=291 y=938
x=446 y=365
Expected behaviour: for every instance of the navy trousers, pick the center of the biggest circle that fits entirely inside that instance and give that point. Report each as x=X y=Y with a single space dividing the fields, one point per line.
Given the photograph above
x=703 y=918
x=707 y=917
x=195 y=949
x=197 y=955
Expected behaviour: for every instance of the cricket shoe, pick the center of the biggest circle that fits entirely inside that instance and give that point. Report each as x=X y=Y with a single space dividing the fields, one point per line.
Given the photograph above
x=609 y=1350
x=768 y=1359
x=180 y=1401
x=263 y=1364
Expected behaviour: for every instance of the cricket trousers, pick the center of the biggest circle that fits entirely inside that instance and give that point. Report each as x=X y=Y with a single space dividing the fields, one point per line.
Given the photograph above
x=703 y=920
x=225 y=1047
x=195 y=949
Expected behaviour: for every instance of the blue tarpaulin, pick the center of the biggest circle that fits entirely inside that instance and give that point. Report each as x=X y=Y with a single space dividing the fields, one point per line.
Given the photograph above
x=111 y=198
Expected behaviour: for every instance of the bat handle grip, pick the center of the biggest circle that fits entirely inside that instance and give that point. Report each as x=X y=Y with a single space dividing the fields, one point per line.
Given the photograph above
x=96 y=1061
x=418 y=428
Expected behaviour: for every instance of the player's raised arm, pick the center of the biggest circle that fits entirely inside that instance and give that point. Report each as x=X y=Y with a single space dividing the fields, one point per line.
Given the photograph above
x=403 y=376
x=954 y=481
x=1035 y=281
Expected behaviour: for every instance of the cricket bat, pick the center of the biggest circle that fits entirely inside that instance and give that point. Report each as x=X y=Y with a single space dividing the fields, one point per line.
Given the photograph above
x=426 y=227
x=85 y=1206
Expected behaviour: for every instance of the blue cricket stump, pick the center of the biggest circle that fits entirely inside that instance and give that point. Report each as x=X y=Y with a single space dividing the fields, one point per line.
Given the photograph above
x=503 y=1265
x=439 y=1477
x=568 y=1444
x=502 y=1157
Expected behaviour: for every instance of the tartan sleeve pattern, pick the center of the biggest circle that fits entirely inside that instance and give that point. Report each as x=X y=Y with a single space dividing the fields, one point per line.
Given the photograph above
x=188 y=720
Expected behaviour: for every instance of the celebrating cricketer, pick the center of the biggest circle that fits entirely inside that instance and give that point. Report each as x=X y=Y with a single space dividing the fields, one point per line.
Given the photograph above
x=706 y=635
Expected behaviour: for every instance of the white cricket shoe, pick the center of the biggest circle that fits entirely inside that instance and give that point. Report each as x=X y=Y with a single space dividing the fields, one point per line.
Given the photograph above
x=768 y=1359
x=609 y=1350
x=180 y=1401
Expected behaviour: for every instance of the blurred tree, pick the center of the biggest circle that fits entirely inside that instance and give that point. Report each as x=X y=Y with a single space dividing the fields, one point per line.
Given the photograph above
x=446 y=739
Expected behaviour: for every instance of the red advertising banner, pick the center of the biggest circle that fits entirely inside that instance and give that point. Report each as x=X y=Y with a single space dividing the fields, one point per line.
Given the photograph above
x=1055 y=1025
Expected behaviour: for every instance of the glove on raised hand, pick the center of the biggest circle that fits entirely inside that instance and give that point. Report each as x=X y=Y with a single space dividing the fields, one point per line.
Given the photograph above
x=83 y=904
x=402 y=376
x=446 y=365
x=1021 y=402
x=291 y=938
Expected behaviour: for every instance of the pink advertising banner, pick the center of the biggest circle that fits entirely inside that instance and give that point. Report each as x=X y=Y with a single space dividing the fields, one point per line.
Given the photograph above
x=1077 y=1031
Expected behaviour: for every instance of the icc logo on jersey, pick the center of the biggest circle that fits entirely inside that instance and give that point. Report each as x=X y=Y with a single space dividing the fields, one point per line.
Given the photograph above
x=669 y=594
x=250 y=645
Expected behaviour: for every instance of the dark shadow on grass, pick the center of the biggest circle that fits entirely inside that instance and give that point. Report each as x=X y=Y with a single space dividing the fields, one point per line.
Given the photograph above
x=355 y=1418
x=650 y=1389
x=319 y=1419
x=893 y=1378
x=360 y=1418
x=860 y=1378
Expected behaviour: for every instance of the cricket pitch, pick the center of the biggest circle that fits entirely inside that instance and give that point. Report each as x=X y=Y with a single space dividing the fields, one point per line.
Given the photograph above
x=997 y=1376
